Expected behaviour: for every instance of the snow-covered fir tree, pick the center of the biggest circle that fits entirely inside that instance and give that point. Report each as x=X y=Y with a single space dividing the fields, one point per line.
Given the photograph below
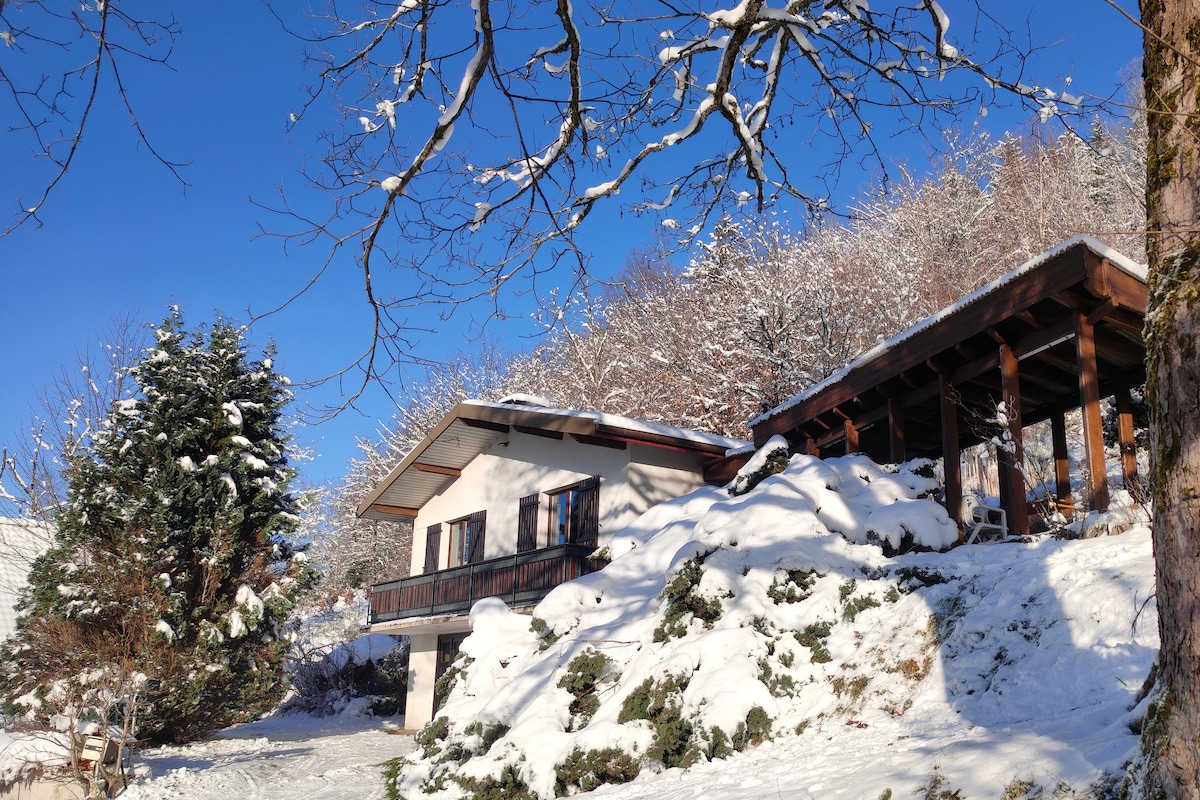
x=173 y=558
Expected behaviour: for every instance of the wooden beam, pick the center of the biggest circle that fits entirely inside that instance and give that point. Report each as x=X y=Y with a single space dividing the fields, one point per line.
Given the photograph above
x=1125 y=436
x=395 y=511
x=538 y=432
x=659 y=440
x=484 y=424
x=583 y=438
x=1118 y=348
x=810 y=446
x=1062 y=462
x=1108 y=281
x=896 y=430
x=951 y=456
x=1101 y=311
x=851 y=436
x=1129 y=321
x=435 y=469
x=1012 y=481
x=1089 y=399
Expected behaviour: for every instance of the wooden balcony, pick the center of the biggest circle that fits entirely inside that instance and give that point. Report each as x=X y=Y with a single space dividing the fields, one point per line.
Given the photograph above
x=519 y=580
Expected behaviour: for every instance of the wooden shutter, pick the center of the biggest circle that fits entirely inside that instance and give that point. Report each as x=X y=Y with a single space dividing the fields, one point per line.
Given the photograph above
x=476 y=533
x=589 y=512
x=433 y=541
x=527 y=524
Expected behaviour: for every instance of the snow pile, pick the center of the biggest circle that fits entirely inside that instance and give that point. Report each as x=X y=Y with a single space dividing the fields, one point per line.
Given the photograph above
x=25 y=754
x=726 y=624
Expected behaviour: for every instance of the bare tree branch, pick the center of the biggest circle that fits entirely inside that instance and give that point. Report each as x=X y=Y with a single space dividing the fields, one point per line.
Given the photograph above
x=46 y=105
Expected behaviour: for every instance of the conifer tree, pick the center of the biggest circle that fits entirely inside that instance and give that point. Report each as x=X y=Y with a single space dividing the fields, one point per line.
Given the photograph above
x=172 y=560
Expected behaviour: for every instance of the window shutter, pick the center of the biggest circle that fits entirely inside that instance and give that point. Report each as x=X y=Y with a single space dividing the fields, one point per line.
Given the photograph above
x=527 y=524
x=433 y=541
x=589 y=512
x=476 y=533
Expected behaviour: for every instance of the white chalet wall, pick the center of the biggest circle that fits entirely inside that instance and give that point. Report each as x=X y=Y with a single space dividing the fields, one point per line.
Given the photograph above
x=422 y=663
x=631 y=481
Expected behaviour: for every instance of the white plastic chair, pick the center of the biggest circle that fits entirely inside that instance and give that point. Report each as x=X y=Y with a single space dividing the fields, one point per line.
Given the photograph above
x=981 y=519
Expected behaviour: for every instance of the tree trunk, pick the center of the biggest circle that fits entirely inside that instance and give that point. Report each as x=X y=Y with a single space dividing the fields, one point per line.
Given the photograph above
x=1171 y=735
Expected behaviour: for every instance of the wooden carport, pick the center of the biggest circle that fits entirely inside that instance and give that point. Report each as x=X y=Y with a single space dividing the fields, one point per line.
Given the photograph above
x=1058 y=333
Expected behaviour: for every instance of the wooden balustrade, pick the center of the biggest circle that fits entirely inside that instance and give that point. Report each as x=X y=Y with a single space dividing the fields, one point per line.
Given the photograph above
x=519 y=579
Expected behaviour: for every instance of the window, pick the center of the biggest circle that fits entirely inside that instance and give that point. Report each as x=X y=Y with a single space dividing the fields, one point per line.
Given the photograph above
x=458 y=542
x=466 y=544
x=575 y=514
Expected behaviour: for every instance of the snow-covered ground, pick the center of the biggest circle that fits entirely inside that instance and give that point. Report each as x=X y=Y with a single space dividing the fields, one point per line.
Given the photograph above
x=1004 y=669
x=723 y=620
x=286 y=757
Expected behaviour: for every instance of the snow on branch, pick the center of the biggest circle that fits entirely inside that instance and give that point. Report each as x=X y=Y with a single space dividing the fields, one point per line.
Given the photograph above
x=495 y=130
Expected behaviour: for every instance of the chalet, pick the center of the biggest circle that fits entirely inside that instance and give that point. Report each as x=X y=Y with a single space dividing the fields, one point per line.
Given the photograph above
x=509 y=500
x=1061 y=332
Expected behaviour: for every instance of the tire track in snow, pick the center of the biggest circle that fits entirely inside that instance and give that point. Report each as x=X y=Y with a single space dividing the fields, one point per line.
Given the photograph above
x=281 y=758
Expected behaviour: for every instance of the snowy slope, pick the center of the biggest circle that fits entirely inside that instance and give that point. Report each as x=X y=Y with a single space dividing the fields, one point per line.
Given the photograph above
x=1004 y=669
x=723 y=620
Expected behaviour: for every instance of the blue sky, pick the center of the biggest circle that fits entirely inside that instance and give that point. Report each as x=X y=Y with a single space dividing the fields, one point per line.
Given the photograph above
x=121 y=235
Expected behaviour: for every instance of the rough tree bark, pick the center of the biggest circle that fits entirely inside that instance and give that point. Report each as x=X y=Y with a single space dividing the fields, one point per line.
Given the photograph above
x=1171 y=737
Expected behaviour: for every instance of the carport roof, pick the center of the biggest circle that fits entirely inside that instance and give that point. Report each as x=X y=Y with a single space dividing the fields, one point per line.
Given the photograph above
x=1033 y=309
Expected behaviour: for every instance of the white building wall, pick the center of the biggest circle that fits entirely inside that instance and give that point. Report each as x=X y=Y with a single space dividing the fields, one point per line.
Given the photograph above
x=497 y=479
x=631 y=481
x=656 y=475
x=422 y=661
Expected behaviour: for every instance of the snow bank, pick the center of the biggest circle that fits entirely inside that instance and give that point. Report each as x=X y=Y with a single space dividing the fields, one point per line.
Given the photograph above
x=773 y=618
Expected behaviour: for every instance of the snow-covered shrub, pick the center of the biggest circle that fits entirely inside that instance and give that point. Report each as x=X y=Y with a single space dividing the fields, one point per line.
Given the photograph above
x=792 y=586
x=174 y=556
x=814 y=638
x=370 y=672
x=771 y=459
x=584 y=675
x=686 y=602
x=585 y=771
x=97 y=710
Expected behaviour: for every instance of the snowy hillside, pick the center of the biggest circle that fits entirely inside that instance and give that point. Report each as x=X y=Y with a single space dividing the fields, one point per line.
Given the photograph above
x=771 y=623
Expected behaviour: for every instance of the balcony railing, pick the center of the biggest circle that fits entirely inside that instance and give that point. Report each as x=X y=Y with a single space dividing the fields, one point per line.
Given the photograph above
x=520 y=579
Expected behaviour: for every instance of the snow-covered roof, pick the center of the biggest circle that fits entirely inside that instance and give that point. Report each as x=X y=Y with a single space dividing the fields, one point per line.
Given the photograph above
x=21 y=541
x=1115 y=258
x=473 y=426
x=704 y=440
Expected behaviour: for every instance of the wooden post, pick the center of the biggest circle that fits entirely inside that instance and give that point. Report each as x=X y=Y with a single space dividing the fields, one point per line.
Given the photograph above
x=1089 y=398
x=1012 y=480
x=951 y=455
x=1062 y=462
x=851 y=436
x=1125 y=436
x=810 y=446
x=896 y=430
